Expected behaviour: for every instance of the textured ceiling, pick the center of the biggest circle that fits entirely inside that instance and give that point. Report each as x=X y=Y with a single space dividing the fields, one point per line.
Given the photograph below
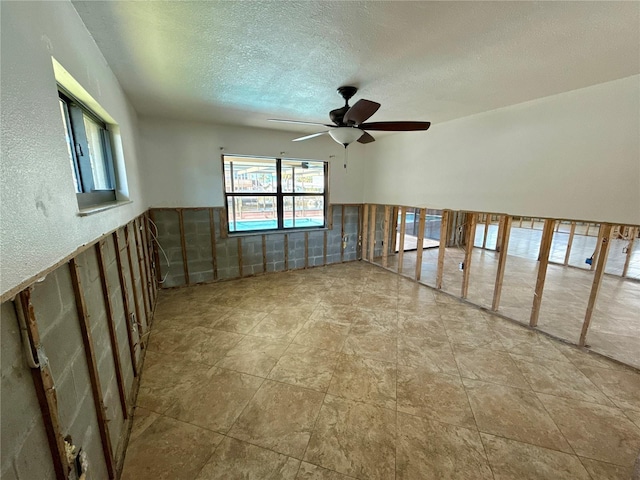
x=243 y=62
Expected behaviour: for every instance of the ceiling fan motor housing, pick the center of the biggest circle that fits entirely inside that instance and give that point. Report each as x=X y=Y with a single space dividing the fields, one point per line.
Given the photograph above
x=337 y=115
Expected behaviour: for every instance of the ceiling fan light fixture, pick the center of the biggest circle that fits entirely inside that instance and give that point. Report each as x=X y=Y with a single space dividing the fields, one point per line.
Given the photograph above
x=345 y=135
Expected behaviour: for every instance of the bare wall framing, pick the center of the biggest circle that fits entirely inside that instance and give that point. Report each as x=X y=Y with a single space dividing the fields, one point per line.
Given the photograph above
x=195 y=246
x=72 y=344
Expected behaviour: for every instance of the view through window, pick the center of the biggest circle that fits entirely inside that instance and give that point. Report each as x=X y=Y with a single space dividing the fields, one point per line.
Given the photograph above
x=274 y=194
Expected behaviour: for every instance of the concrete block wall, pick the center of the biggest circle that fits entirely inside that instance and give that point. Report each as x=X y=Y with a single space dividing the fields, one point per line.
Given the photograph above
x=25 y=452
x=246 y=250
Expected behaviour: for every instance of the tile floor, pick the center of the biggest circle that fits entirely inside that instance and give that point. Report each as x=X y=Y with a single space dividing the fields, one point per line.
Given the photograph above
x=615 y=326
x=351 y=371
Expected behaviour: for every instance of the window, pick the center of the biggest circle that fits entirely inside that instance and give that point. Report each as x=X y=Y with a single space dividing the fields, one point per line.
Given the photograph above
x=89 y=147
x=274 y=193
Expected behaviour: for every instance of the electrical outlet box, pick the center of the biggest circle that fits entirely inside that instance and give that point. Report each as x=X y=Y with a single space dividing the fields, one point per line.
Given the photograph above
x=461 y=266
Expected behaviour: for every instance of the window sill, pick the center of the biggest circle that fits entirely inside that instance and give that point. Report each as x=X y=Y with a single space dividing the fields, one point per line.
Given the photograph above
x=85 y=212
x=276 y=232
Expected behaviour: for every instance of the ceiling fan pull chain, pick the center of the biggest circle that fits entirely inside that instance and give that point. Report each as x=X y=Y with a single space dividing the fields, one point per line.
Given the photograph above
x=346 y=157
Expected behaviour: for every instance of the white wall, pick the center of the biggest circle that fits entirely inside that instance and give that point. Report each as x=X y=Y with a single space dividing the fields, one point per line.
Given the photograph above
x=182 y=166
x=39 y=224
x=575 y=155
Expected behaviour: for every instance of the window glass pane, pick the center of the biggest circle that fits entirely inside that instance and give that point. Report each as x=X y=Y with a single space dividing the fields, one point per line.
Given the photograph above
x=250 y=175
x=99 y=167
x=64 y=113
x=301 y=176
x=252 y=213
x=307 y=211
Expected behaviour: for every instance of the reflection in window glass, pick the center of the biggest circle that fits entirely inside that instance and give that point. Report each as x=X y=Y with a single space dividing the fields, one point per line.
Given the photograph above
x=307 y=211
x=251 y=175
x=302 y=176
x=101 y=180
x=65 y=121
x=252 y=213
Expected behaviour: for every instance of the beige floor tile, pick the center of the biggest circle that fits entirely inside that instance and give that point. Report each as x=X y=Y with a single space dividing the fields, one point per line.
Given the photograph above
x=621 y=385
x=313 y=472
x=329 y=311
x=595 y=431
x=165 y=379
x=322 y=334
x=236 y=460
x=512 y=460
x=378 y=301
x=305 y=367
x=253 y=355
x=372 y=345
x=513 y=413
x=216 y=400
x=281 y=326
x=142 y=418
x=489 y=365
x=365 y=380
x=633 y=415
x=198 y=344
x=355 y=439
x=606 y=471
x=427 y=449
x=169 y=449
x=425 y=352
x=375 y=322
x=431 y=395
x=581 y=357
x=426 y=325
x=239 y=321
x=559 y=378
x=471 y=334
x=527 y=343
x=280 y=417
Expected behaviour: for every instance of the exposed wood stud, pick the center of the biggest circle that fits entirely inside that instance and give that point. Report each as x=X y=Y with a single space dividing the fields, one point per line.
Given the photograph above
x=372 y=232
x=545 y=247
x=572 y=232
x=500 y=235
x=588 y=227
x=224 y=224
x=605 y=238
x=342 y=243
x=306 y=249
x=385 y=236
x=394 y=229
x=141 y=267
x=470 y=234
x=145 y=258
x=183 y=245
x=151 y=254
x=598 y=246
x=125 y=304
x=324 y=248
x=45 y=388
x=113 y=336
x=633 y=231
x=214 y=255
x=403 y=230
x=444 y=231
x=359 y=239
x=487 y=222
x=520 y=226
x=156 y=253
x=502 y=262
x=286 y=251
x=532 y=223
x=240 y=255
x=330 y=217
x=420 y=244
x=134 y=287
x=94 y=377
x=264 y=253
x=365 y=232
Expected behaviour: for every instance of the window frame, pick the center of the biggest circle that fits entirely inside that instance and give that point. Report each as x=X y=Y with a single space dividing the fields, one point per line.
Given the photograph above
x=279 y=196
x=74 y=112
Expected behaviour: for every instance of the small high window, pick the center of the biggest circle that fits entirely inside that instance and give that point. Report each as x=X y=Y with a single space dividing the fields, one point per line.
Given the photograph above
x=274 y=193
x=89 y=147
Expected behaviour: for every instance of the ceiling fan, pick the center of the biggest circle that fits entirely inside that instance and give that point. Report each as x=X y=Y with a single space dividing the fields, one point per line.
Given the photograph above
x=349 y=121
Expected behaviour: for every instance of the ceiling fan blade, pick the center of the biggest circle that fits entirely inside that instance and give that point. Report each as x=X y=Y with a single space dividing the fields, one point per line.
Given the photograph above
x=360 y=112
x=299 y=123
x=395 y=126
x=366 y=138
x=307 y=137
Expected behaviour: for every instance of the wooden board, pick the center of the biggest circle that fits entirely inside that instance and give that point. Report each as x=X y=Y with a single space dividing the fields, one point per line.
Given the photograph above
x=502 y=262
x=545 y=248
x=572 y=232
x=470 y=234
x=444 y=232
x=214 y=254
x=420 y=250
x=183 y=246
x=605 y=238
x=365 y=232
x=372 y=232
x=134 y=287
x=385 y=236
x=94 y=377
x=403 y=231
x=45 y=388
x=634 y=233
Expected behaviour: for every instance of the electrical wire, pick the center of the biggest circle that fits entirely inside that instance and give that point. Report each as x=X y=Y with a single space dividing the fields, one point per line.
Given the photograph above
x=154 y=236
